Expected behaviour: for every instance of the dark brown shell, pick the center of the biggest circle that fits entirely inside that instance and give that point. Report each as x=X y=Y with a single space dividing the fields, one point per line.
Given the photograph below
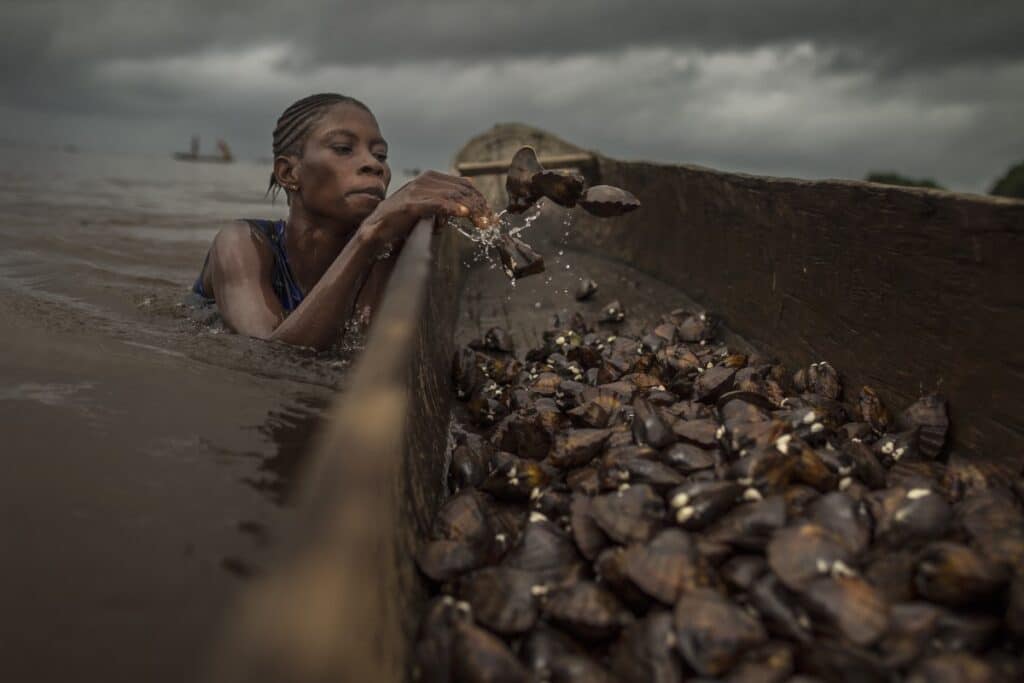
x=749 y=526
x=501 y=599
x=610 y=567
x=911 y=625
x=544 y=549
x=802 y=553
x=560 y=186
x=463 y=517
x=587 y=611
x=772 y=662
x=965 y=631
x=648 y=427
x=953 y=667
x=525 y=434
x=779 y=609
x=866 y=466
x=687 y=458
x=639 y=470
x=543 y=644
x=701 y=432
x=741 y=571
x=585 y=531
x=480 y=657
x=929 y=416
x=629 y=516
x=953 y=574
x=613 y=312
x=891 y=572
x=518 y=258
x=576 y=447
x=844 y=516
x=713 y=633
x=696 y=504
x=586 y=289
x=645 y=652
x=994 y=523
x=668 y=566
x=607 y=201
x=578 y=668
x=850 y=605
x=713 y=382
x=519 y=182
x=766 y=469
x=466 y=373
x=908 y=516
x=819 y=378
x=444 y=560
x=435 y=640
x=516 y=480
x=872 y=410
x=1015 y=606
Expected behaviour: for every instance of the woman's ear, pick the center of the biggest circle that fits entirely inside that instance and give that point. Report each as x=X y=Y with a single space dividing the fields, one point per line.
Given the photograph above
x=286 y=170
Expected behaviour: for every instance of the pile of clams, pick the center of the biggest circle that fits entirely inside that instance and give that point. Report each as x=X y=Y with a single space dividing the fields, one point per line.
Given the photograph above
x=661 y=508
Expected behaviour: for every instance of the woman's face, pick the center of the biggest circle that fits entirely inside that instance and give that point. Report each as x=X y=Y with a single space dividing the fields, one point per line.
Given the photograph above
x=343 y=173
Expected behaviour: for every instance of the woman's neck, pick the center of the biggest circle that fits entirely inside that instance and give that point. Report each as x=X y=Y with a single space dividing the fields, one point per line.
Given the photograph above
x=312 y=243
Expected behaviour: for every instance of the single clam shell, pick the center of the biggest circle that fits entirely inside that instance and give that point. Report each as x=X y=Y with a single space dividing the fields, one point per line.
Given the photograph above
x=953 y=667
x=955 y=575
x=772 y=662
x=645 y=651
x=560 y=186
x=640 y=470
x=866 y=465
x=872 y=410
x=586 y=289
x=544 y=549
x=994 y=523
x=911 y=625
x=585 y=531
x=610 y=567
x=844 y=516
x=518 y=258
x=850 y=605
x=908 y=516
x=543 y=644
x=668 y=566
x=696 y=504
x=930 y=418
x=466 y=373
x=479 y=656
x=779 y=609
x=435 y=640
x=444 y=560
x=749 y=526
x=516 y=480
x=891 y=572
x=766 y=469
x=501 y=599
x=648 y=427
x=687 y=458
x=578 y=668
x=629 y=516
x=576 y=447
x=965 y=631
x=741 y=571
x=587 y=611
x=606 y=201
x=519 y=182
x=713 y=632
x=463 y=517
x=700 y=432
x=713 y=383
x=802 y=553
x=526 y=434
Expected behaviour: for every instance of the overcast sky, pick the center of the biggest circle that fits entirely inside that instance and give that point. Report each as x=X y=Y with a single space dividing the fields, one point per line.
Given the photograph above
x=810 y=88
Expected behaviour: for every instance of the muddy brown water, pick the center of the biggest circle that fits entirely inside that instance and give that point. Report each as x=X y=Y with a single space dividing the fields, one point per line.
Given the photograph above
x=148 y=453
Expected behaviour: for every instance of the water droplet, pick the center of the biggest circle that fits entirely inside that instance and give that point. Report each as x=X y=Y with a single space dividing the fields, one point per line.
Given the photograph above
x=536 y=305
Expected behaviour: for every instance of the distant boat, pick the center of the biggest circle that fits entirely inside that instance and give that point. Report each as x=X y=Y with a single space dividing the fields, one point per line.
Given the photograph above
x=225 y=156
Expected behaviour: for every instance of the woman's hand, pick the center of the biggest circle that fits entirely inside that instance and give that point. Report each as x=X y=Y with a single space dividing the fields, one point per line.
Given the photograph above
x=429 y=194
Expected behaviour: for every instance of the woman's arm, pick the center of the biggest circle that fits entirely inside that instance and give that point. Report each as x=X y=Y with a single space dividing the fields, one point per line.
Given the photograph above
x=241 y=266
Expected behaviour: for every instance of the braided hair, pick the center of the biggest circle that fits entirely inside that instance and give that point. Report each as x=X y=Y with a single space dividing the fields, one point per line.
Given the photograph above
x=294 y=125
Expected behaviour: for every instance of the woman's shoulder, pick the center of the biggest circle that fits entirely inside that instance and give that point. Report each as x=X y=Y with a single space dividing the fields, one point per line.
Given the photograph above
x=242 y=242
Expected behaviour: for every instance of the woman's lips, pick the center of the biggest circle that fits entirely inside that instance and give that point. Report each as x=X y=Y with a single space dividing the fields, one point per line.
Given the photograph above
x=374 y=192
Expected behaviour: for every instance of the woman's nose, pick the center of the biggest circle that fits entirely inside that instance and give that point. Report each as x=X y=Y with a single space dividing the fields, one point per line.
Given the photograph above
x=372 y=165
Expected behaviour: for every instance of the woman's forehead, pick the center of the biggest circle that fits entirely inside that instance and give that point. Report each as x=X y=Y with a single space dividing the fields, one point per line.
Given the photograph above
x=348 y=118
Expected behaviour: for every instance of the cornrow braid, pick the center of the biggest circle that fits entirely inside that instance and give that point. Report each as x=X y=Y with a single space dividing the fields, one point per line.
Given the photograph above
x=294 y=124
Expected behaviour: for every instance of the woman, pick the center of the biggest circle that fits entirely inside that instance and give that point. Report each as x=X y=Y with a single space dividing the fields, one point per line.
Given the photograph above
x=300 y=279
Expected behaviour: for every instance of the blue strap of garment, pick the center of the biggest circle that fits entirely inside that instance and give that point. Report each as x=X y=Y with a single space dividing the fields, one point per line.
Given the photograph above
x=281 y=279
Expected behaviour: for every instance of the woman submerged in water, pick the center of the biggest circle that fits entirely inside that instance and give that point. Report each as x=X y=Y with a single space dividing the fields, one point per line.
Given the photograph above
x=299 y=280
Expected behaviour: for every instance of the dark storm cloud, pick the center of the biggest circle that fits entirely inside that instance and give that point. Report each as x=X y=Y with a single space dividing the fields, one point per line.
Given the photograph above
x=806 y=87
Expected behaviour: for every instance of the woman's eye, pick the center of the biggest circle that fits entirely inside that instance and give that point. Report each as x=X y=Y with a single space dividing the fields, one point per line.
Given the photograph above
x=342 y=149
x=381 y=157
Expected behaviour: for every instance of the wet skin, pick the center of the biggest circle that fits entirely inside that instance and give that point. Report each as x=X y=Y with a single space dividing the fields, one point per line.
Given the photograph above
x=339 y=222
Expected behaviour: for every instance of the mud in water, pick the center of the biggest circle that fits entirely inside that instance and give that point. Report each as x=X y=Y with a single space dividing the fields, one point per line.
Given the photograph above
x=148 y=453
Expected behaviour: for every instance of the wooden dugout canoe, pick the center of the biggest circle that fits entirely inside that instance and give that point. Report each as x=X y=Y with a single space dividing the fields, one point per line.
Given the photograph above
x=907 y=290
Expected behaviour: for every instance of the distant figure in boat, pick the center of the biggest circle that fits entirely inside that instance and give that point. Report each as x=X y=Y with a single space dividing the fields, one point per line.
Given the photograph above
x=300 y=280
x=193 y=154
